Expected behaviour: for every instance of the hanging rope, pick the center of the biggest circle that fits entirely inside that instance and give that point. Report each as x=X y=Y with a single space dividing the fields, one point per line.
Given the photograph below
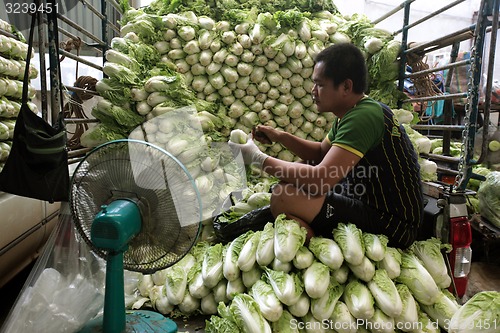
x=424 y=84
x=74 y=109
x=87 y=83
x=69 y=45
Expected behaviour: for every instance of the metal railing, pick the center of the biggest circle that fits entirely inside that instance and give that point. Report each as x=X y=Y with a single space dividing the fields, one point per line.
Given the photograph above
x=475 y=32
x=80 y=36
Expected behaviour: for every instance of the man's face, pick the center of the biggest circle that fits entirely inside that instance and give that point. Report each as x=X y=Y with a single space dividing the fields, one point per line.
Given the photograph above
x=326 y=96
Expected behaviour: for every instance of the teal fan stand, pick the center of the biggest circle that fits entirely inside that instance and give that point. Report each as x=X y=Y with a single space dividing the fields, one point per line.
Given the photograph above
x=137 y=207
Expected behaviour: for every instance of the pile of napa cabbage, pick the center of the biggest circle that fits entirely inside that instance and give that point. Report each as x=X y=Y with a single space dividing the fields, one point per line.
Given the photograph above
x=243 y=66
x=13 y=54
x=271 y=280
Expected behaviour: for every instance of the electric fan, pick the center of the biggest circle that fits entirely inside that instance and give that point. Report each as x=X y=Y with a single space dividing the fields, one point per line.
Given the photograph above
x=137 y=207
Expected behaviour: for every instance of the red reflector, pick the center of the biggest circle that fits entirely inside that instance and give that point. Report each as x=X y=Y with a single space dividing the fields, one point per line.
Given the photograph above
x=448 y=179
x=460 y=256
x=461 y=234
x=461 y=285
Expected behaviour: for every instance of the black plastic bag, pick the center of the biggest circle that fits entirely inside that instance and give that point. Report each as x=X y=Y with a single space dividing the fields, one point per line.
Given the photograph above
x=254 y=220
x=37 y=165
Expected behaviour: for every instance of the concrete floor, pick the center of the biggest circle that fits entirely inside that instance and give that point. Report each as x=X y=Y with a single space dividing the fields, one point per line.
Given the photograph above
x=483 y=276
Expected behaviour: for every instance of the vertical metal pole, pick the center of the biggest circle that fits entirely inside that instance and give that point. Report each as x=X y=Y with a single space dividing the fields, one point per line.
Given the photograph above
x=55 y=75
x=104 y=25
x=404 y=41
x=489 y=83
x=448 y=103
x=453 y=58
x=472 y=106
x=43 y=66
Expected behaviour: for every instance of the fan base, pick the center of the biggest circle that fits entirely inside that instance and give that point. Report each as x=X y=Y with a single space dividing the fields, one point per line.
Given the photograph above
x=140 y=321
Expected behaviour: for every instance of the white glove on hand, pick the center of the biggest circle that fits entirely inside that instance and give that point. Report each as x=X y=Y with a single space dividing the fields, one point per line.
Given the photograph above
x=250 y=152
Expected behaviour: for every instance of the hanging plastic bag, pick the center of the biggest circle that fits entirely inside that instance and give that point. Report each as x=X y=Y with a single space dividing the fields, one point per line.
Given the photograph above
x=489 y=198
x=37 y=165
x=492 y=137
x=64 y=290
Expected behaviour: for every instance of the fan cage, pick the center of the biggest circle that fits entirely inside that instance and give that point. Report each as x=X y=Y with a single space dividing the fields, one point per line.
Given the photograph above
x=163 y=189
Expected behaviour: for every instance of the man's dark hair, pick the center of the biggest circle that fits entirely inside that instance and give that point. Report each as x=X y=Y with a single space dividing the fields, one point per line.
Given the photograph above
x=344 y=61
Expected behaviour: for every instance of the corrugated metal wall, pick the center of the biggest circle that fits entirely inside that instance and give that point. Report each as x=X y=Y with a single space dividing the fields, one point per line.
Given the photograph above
x=76 y=11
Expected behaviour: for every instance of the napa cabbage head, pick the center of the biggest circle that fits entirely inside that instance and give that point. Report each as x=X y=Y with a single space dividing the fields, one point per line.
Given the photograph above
x=428 y=169
x=284 y=323
x=322 y=307
x=375 y=246
x=238 y=136
x=265 y=249
x=266 y=299
x=359 y=299
x=247 y=315
x=235 y=287
x=176 y=284
x=220 y=292
x=145 y=284
x=303 y=259
x=364 y=271
x=385 y=294
x=247 y=256
x=208 y=305
x=430 y=253
x=342 y=273
x=189 y=304
x=345 y=321
x=218 y=324
x=350 y=240
x=489 y=198
x=101 y=133
x=316 y=279
x=288 y=287
x=195 y=282
x=483 y=307
x=373 y=44
x=211 y=268
x=409 y=313
x=425 y=323
x=301 y=307
x=289 y=236
x=383 y=64
x=327 y=251
x=250 y=277
x=443 y=309
x=391 y=262
x=382 y=322
x=418 y=279
x=405 y=116
x=281 y=266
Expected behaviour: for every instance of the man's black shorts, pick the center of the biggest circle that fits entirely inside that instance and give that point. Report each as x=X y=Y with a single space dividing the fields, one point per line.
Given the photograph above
x=341 y=209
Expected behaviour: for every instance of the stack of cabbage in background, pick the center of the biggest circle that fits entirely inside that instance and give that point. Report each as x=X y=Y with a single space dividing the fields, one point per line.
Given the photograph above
x=271 y=281
x=13 y=54
x=245 y=67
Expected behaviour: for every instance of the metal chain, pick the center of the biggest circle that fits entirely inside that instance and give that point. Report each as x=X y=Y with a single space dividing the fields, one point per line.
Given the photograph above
x=471 y=90
x=462 y=166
